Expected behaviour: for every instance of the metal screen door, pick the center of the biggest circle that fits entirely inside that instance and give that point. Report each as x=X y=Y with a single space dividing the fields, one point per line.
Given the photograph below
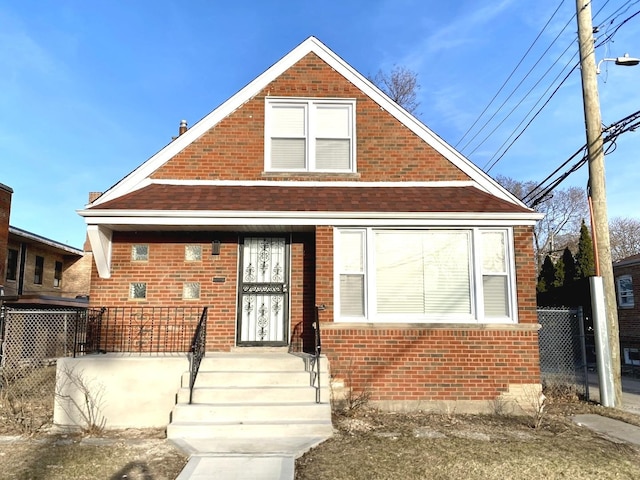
x=263 y=303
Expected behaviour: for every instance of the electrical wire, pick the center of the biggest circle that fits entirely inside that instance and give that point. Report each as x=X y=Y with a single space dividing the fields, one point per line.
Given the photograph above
x=512 y=73
x=531 y=120
x=542 y=57
x=611 y=134
x=613 y=17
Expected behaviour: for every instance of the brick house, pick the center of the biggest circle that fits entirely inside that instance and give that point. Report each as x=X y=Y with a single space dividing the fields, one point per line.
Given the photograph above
x=311 y=187
x=38 y=270
x=627 y=280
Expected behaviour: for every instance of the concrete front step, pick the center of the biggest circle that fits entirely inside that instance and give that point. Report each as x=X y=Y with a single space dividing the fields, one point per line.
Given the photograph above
x=253 y=360
x=252 y=378
x=234 y=430
x=253 y=394
x=251 y=412
x=270 y=394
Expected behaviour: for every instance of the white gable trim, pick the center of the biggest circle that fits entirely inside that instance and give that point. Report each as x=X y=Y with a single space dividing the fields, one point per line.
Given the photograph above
x=135 y=179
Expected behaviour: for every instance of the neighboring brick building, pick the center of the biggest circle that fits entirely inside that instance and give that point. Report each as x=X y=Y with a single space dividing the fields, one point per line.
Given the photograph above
x=627 y=279
x=309 y=187
x=43 y=271
x=38 y=270
x=5 y=213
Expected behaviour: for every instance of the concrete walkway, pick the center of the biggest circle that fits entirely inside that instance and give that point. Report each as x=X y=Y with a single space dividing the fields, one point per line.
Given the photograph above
x=630 y=392
x=243 y=459
x=615 y=430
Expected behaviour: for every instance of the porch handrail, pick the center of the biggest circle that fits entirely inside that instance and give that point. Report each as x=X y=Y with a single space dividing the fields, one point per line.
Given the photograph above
x=318 y=350
x=198 y=347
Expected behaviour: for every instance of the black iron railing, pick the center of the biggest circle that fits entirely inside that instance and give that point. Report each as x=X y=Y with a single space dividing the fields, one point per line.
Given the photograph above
x=142 y=330
x=318 y=350
x=198 y=347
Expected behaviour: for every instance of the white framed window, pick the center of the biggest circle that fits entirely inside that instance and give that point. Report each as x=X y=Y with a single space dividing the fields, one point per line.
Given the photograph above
x=352 y=274
x=137 y=291
x=191 y=291
x=57 y=274
x=625 y=291
x=631 y=356
x=192 y=253
x=425 y=275
x=309 y=135
x=140 y=253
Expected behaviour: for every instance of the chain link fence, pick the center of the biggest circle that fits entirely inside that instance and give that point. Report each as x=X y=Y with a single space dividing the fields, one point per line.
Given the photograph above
x=30 y=342
x=563 y=359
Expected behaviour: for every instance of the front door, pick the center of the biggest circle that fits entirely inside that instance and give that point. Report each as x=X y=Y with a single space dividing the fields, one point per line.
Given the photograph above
x=263 y=303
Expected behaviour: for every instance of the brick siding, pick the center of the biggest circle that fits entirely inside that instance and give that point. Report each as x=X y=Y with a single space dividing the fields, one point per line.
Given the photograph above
x=629 y=318
x=386 y=149
x=5 y=213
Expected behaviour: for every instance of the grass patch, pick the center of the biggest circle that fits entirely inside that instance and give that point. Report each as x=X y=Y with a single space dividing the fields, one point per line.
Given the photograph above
x=379 y=445
x=26 y=399
x=62 y=458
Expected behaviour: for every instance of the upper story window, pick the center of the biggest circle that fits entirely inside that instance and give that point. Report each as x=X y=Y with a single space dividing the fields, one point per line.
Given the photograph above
x=39 y=270
x=625 y=291
x=57 y=274
x=12 y=264
x=309 y=135
x=140 y=253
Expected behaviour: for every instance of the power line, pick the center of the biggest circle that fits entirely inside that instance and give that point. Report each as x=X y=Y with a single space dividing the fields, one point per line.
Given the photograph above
x=540 y=58
x=611 y=134
x=511 y=74
x=532 y=118
x=612 y=17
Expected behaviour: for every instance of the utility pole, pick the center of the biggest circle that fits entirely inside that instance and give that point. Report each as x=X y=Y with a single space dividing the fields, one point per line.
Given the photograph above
x=600 y=222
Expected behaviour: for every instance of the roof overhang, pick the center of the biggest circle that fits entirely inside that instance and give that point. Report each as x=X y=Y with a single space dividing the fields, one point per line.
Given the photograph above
x=103 y=223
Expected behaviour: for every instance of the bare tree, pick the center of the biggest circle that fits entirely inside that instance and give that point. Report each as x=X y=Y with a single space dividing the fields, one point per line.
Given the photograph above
x=563 y=213
x=401 y=85
x=625 y=237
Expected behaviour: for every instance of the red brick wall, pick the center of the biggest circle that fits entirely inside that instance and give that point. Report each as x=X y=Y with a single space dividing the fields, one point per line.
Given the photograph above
x=234 y=148
x=629 y=318
x=75 y=272
x=166 y=271
x=526 y=276
x=426 y=363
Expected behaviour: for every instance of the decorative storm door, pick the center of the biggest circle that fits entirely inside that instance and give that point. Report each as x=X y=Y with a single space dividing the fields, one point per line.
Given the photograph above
x=264 y=300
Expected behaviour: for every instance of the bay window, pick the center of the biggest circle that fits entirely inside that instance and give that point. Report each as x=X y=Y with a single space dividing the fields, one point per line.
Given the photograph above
x=424 y=275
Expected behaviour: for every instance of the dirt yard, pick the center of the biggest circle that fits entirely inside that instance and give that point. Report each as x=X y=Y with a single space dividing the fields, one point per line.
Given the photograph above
x=377 y=446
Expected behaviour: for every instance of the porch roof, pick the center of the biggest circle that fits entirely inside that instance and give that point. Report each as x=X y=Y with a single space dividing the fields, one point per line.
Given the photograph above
x=288 y=198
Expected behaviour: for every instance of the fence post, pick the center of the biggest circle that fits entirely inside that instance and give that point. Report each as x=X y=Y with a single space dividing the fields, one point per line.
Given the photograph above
x=583 y=352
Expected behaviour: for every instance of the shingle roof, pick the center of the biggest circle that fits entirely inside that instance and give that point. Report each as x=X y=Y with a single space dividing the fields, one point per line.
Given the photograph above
x=628 y=260
x=273 y=198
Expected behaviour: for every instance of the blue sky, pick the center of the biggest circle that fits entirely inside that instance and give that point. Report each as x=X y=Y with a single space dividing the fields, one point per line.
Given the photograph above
x=90 y=90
